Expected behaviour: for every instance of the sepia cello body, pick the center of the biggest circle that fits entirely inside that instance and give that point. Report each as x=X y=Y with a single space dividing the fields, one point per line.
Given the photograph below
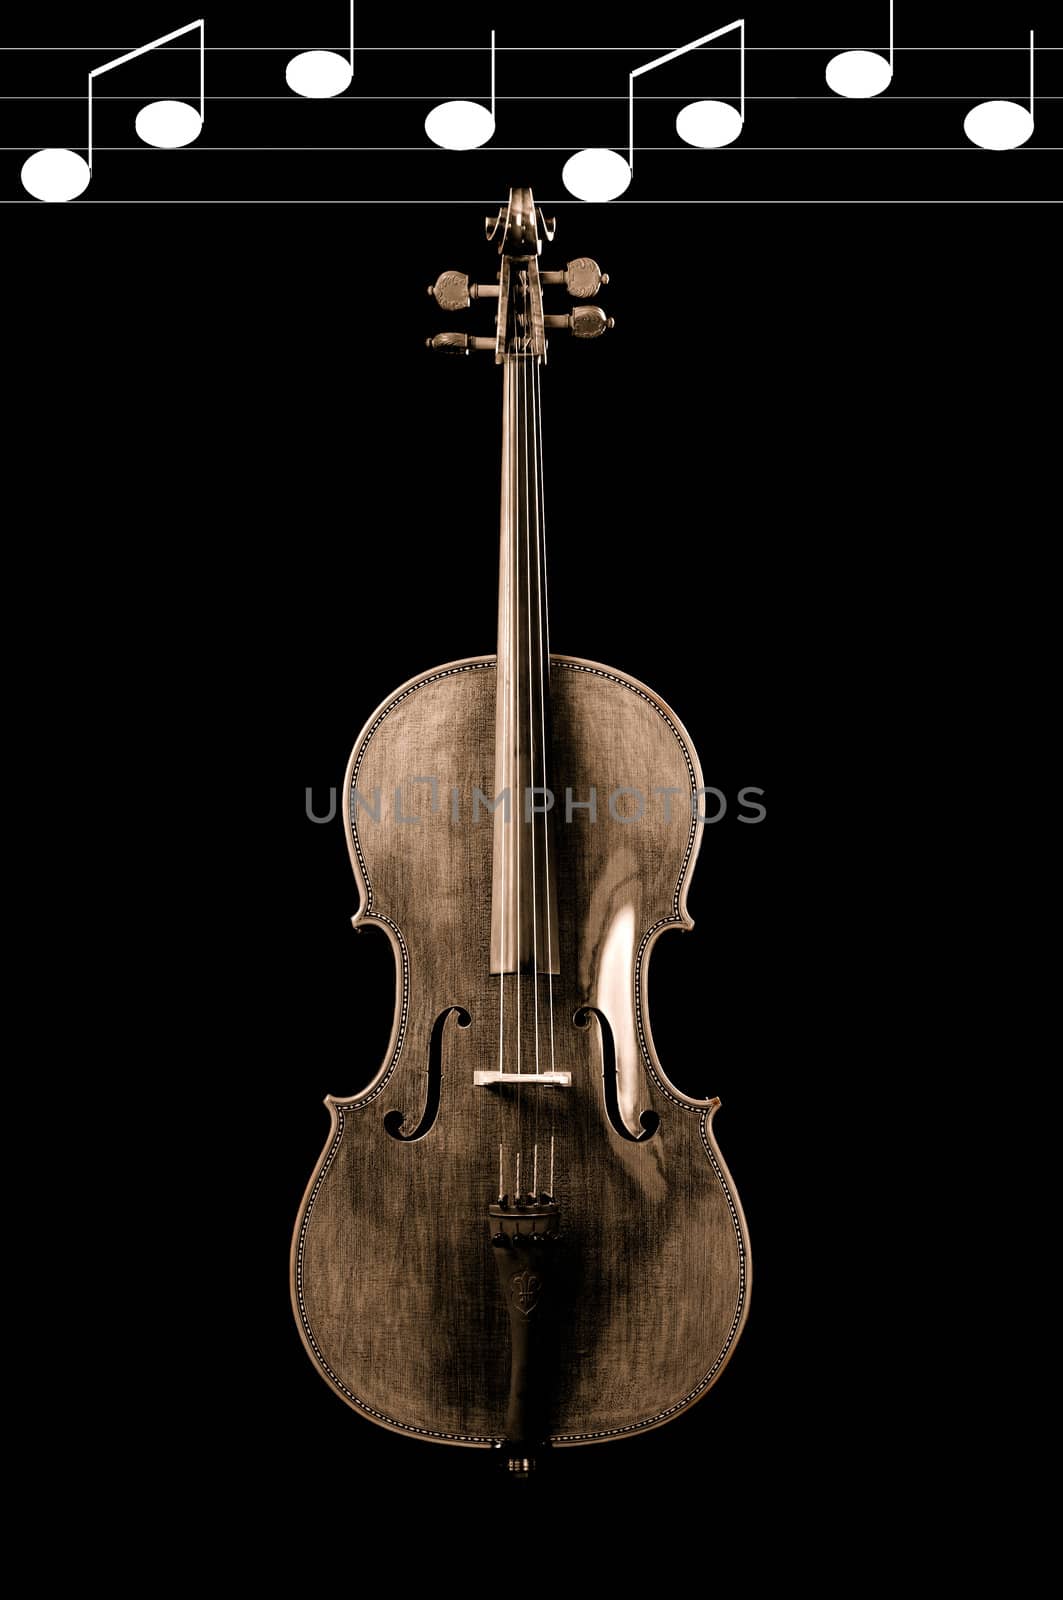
x=521 y=1234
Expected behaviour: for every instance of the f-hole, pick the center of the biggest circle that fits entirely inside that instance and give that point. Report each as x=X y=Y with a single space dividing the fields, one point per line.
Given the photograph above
x=393 y=1120
x=649 y=1119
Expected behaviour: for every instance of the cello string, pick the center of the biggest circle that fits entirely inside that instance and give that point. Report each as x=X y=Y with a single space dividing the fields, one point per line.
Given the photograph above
x=534 y=531
x=514 y=656
x=528 y=799
x=544 y=634
x=504 y=666
x=544 y=602
x=534 y=635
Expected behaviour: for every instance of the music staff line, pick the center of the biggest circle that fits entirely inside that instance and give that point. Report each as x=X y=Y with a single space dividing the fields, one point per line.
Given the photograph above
x=516 y=99
x=591 y=174
x=545 y=149
x=523 y=50
x=548 y=149
x=722 y=201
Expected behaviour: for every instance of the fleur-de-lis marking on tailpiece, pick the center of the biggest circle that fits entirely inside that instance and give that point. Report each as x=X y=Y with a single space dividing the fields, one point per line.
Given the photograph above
x=524 y=1287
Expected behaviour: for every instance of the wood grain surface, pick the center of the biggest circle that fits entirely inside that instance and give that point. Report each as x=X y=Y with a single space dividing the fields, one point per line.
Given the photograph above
x=394 y=1286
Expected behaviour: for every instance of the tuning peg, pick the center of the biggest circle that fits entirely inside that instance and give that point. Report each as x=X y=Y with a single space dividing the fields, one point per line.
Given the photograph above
x=582 y=278
x=459 y=344
x=452 y=291
x=586 y=322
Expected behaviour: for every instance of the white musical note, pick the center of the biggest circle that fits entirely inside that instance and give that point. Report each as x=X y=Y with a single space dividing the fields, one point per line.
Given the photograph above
x=322 y=74
x=1001 y=124
x=861 y=74
x=708 y=124
x=166 y=124
x=463 y=124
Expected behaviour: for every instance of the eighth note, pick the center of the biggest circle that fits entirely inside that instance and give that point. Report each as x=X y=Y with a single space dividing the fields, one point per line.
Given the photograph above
x=861 y=74
x=1001 y=124
x=707 y=124
x=463 y=124
x=166 y=124
x=321 y=74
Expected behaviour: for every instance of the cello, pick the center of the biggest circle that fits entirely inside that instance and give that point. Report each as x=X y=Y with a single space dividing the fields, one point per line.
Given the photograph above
x=521 y=1236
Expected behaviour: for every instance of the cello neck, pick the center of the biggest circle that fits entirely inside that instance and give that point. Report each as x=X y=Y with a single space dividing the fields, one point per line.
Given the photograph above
x=523 y=889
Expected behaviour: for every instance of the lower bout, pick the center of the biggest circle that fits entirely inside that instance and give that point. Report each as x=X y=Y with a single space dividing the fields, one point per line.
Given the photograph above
x=633 y=1336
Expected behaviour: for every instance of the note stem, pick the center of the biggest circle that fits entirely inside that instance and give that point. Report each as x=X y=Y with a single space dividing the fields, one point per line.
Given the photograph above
x=673 y=55
x=891 y=38
x=142 y=50
x=492 y=72
x=352 y=35
x=1031 y=72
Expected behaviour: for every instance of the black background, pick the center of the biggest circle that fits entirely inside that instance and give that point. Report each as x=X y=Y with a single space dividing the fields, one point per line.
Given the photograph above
x=800 y=491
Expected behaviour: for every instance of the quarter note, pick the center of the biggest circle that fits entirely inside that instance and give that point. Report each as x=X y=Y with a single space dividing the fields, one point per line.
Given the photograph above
x=861 y=74
x=1001 y=124
x=322 y=74
x=707 y=124
x=463 y=124
x=166 y=124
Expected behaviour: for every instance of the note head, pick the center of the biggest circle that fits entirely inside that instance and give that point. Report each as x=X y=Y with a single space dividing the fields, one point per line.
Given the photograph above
x=709 y=124
x=459 y=125
x=859 y=74
x=56 y=175
x=998 y=125
x=596 y=175
x=318 y=74
x=169 y=124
